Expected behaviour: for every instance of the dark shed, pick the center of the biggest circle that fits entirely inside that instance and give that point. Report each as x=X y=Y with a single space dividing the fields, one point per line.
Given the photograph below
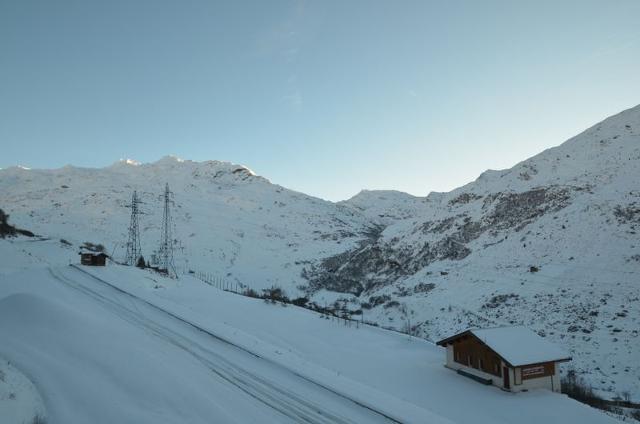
x=93 y=258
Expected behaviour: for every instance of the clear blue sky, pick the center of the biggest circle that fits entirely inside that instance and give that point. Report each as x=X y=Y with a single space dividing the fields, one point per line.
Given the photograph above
x=325 y=97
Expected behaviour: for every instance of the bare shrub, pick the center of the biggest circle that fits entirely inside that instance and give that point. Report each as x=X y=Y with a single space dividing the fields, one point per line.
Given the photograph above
x=275 y=294
x=39 y=419
x=249 y=292
x=300 y=301
x=575 y=387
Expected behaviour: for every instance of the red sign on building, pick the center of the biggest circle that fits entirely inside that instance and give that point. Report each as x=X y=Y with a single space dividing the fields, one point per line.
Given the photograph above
x=532 y=371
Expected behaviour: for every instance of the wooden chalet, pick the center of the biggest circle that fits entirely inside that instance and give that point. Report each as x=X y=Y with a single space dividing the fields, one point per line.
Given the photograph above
x=93 y=258
x=512 y=358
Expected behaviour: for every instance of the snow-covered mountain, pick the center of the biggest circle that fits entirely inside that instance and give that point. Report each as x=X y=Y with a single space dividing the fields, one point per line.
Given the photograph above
x=550 y=243
x=228 y=221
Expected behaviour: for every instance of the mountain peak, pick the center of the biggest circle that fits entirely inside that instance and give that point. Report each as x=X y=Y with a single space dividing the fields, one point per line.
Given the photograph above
x=169 y=160
x=125 y=162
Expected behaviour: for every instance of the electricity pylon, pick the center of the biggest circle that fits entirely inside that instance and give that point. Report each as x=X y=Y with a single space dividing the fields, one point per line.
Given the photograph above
x=165 y=253
x=134 y=252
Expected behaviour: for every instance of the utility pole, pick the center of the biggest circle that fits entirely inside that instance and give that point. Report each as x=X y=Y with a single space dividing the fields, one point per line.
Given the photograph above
x=165 y=252
x=133 y=244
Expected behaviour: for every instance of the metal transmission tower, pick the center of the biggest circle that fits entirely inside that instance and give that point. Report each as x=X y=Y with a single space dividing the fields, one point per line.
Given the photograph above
x=134 y=252
x=165 y=253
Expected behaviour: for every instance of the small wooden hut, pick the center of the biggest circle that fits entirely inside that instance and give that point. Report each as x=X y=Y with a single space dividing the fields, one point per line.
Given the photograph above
x=93 y=258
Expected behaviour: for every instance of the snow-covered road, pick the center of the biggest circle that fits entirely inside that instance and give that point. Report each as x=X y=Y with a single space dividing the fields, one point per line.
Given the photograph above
x=259 y=381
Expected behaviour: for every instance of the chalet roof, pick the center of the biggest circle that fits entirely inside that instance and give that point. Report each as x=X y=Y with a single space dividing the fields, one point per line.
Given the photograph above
x=90 y=252
x=516 y=345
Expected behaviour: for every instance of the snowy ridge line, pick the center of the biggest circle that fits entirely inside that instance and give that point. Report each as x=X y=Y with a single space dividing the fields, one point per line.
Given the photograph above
x=410 y=412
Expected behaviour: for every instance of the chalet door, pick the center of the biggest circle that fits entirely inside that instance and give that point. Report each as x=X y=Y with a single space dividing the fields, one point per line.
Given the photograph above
x=505 y=377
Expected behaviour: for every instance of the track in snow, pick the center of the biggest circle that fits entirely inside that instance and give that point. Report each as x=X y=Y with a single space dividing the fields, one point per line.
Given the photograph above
x=292 y=395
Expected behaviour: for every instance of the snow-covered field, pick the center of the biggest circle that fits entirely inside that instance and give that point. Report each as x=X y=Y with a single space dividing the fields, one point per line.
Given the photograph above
x=20 y=401
x=119 y=344
x=100 y=356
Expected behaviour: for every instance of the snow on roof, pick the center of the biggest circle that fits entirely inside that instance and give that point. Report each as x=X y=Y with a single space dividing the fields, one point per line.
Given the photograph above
x=91 y=252
x=518 y=345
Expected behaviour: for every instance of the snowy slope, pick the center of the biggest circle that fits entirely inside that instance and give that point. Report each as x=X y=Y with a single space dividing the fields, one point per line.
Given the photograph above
x=100 y=356
x=551 y=243
x=20 y=401
x=119 y=344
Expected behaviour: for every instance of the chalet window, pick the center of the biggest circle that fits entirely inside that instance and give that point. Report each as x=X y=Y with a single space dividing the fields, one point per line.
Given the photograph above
x=481 y=364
